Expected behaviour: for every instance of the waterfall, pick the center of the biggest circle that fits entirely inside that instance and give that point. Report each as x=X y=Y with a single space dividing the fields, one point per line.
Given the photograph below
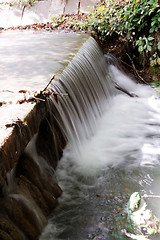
x=89 y=88
x=113 y=146
x=88 y=85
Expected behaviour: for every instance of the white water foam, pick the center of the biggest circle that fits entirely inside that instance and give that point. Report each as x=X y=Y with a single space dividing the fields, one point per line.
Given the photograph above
x=122 y=130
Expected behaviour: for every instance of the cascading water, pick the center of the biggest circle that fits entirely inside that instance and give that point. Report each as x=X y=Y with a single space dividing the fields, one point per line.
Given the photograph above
x=113 y=149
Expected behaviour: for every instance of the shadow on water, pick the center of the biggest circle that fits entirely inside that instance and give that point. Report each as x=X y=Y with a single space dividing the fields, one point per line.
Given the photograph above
x=113 y=150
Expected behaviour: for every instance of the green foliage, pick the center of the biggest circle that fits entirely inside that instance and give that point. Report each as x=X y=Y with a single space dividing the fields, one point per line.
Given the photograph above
x=26 y=3
x=137 y=13
x=135 y=22
x=74 y=22
x=106 y=20
x=143 y=17
x=144 y=43
x=156 y=83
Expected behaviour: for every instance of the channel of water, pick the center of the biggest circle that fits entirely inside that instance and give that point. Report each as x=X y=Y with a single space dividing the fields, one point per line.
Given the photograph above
x=112 y=151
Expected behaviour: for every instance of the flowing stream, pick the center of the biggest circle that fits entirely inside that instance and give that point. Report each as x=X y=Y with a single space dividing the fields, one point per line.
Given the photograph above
x=113 y=150
x=113 y=145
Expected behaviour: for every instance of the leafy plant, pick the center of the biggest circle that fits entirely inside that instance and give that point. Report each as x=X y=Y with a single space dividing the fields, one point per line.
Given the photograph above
x=144 y=43
x=136 y=23
x=106 y=20
x=143 y=17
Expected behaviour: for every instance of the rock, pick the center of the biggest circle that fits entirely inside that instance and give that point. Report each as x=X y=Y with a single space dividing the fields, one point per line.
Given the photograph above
x=43 y=179
x=5 y=236
x=33 y=195
x=25 y=185
x=24 y=214
x=8 y=230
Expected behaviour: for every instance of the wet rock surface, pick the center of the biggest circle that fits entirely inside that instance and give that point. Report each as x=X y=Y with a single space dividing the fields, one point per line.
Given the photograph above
x=29 y=192
x=8 y=230
x=50 y=141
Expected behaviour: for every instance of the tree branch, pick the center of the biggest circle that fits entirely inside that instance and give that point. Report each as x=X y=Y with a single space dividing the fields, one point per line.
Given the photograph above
x=134 y=68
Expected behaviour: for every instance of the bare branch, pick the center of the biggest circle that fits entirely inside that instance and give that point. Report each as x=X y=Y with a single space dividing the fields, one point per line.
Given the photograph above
x=48 y=84
x=136 y=70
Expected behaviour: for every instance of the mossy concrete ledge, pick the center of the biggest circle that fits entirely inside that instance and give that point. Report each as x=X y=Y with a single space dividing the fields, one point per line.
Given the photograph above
x=30 y=146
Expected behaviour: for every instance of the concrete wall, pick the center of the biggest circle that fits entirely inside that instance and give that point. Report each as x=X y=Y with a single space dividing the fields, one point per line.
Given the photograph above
x=41 y=11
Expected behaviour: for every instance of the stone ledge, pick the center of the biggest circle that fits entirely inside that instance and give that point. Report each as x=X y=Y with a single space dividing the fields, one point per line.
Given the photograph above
x=17 y=137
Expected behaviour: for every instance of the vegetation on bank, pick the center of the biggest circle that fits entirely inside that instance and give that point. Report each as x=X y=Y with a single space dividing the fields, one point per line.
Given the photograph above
x=126 y=28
